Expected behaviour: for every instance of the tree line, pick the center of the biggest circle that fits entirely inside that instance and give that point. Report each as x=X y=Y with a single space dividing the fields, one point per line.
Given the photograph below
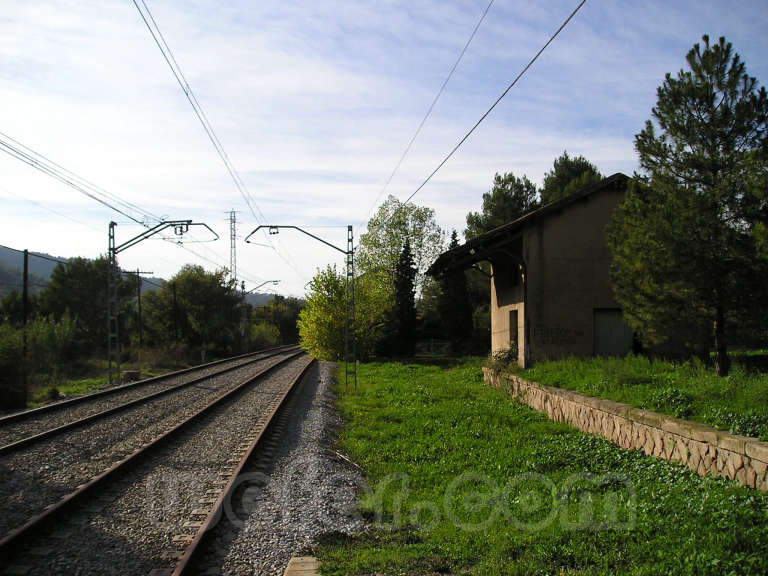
x=195 y=316
x=689 y=243
x=397 y=304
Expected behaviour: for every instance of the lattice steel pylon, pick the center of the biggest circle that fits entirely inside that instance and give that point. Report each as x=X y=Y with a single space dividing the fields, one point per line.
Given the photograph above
x=233 y=246
x=113 y=338
x=350 y=341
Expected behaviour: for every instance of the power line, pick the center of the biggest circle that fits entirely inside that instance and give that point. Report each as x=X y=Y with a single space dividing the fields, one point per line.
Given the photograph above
x=47 y=166
x=35 y=254
x=163 y=238
x=167 y=53
x=21 y=152
x=170 y=59
x=67 y=261
x=49 y=209
x=483 y=117
x=39 y=159
x=429 y=111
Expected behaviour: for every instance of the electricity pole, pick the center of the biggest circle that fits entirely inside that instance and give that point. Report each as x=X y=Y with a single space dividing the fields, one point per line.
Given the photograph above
x=233 y=246
x=138 y=307
x=180 y=227
x=175 y=316
x=350 y=347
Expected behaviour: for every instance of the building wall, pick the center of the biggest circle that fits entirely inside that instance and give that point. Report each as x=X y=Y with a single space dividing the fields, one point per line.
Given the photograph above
x=567 y=264
x=506 y=297
x=501 y=331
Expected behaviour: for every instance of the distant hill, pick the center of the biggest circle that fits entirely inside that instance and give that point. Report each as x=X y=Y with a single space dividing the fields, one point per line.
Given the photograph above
x=40 y=269
x=12 y=260
x=258 y=299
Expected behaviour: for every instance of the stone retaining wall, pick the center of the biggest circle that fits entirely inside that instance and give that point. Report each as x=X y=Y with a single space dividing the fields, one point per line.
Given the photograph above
x=702 y=448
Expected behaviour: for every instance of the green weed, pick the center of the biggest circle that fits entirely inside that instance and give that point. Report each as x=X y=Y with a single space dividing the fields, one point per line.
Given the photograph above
x=691 y=389
x=466 y=480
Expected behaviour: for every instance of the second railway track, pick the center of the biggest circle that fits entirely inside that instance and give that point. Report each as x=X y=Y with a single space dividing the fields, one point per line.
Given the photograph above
x=39 y=475
x=15 y=428
x=139 y=517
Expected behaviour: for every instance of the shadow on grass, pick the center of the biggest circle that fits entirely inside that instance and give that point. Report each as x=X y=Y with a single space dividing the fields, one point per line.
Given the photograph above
x=444 y=362
x=405 y=544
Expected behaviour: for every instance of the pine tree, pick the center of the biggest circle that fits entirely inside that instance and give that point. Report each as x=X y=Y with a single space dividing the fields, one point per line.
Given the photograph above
x=454 y=306
x=405 y=303
x=509 y=198
x=569 y=174
x=686 y=242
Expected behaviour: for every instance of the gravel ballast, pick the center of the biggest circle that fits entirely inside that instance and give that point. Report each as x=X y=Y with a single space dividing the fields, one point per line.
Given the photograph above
x=304 y=489
x=39 y=475
x=64 y=414
x=131 y=528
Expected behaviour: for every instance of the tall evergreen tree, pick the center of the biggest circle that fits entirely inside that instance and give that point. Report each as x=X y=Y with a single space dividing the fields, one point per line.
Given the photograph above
x=404 y=313
x=686 y=242
x=569 y=174
x=454 y=306
x=509 y=198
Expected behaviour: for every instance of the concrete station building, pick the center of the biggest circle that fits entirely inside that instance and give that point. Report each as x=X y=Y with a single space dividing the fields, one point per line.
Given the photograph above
x=550 y=293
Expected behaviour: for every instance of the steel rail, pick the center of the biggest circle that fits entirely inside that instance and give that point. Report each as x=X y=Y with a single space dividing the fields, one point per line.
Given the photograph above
x=16 y=538
x=24 y=414
x=186 y=564
x=39 y=437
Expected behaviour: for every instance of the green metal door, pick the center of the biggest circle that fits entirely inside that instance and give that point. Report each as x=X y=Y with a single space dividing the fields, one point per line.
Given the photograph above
x=612 y=335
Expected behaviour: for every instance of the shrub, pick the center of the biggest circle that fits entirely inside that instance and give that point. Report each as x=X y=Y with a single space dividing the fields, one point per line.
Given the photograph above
x=502 y=359
x=12 y=393
x=669 y=399
x=264 y=335
x=751 y=424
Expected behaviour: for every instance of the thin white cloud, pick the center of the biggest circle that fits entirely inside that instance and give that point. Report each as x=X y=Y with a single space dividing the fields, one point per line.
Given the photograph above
x=314 y=102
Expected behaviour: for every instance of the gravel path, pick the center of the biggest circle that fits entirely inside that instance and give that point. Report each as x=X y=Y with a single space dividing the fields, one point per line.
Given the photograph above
x=131 y=529
x=301 y=491
x=35 y=477
x=13 y=431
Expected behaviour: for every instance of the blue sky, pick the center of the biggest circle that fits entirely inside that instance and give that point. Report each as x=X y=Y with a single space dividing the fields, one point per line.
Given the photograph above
x=314 y=103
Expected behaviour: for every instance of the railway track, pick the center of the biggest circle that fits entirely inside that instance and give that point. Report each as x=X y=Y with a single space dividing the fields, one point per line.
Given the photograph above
x=227 y=546
x=17 y=428
x=45 y=468
x=149 y=512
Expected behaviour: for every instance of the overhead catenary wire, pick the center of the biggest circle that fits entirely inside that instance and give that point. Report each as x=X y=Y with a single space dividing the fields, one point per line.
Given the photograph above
x=129 y=210
x=495 y=103
x=170 y=59
x=428 y=113
x=21 y=152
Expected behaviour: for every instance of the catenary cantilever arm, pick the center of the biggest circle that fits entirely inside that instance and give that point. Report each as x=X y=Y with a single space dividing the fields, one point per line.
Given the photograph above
x=295 y=228
x=180 y=227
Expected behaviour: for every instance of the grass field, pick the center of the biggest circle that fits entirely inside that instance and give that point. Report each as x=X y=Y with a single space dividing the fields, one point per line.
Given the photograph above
x=465 y=480
x=738 y=402
x=84 y=377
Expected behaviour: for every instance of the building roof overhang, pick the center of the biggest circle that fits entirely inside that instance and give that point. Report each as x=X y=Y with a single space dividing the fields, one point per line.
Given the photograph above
x=483 y=247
